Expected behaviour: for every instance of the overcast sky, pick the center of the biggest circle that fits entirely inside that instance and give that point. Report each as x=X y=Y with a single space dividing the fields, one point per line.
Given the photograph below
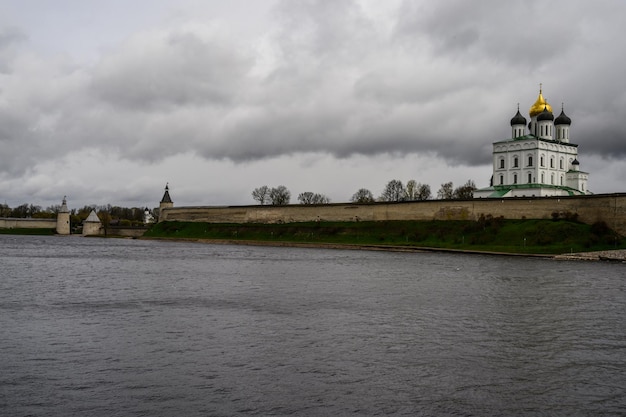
x=106 y=102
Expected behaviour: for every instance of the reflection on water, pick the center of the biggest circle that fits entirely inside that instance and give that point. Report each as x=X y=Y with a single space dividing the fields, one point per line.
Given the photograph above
x=127 y=327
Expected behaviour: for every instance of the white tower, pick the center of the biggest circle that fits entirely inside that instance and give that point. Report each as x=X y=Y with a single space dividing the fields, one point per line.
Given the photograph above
x=545 y=122
x=562 y=124
x=535 y=110
x=63 y=219
x=92 y=225
x=518 y=125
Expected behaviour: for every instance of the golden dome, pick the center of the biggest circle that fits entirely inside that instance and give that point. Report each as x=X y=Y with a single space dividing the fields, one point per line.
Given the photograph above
x=539 y=105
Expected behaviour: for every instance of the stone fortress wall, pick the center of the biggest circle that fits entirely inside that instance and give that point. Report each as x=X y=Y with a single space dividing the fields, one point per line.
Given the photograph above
x=61 y=224
x=15 y=223
x=610 y=208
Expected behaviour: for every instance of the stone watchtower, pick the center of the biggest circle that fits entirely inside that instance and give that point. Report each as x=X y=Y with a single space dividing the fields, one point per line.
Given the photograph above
x=92 y=225
x=166 y=202
x=63 y=219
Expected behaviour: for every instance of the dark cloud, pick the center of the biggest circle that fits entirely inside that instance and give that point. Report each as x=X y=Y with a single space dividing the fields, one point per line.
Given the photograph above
x=444 y=81
x=518 y=34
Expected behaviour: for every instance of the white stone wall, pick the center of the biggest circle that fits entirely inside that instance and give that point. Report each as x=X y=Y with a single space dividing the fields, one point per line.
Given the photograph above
x=14 y=223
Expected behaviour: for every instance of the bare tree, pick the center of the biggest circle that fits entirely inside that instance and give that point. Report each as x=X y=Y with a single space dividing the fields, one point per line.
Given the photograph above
x=410 y=192
x=321 y=199
x=308 y=197
x=423 y=192
x=53 y=209
x=446 y=192
x=280 y=196
x=25 y=210
x=5 y=210
x=261 y=194
x=156 y=212
x=362 y=196
x=394 y=191
x=465 y=191
x=104 y=214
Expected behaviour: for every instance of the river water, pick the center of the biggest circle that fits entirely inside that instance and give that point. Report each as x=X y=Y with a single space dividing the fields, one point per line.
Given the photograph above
x=104 y=327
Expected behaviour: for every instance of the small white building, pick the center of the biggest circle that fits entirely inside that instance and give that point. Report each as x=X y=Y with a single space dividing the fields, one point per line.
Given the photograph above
x=538 y=160
x=148 y=218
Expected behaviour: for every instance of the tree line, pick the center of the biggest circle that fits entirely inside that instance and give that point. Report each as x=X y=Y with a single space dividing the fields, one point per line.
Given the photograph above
x=108 y=214
x=24 y=211
x=394 y=191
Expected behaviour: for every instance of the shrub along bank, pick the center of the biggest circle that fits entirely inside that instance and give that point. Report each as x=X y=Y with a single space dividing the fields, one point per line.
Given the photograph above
x=486 y=234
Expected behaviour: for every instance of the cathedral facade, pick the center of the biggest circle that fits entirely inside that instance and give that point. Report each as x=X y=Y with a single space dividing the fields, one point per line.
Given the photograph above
x=538 y=160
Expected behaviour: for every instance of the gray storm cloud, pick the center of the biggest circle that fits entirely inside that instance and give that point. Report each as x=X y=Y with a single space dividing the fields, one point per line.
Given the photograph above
x=443 y=80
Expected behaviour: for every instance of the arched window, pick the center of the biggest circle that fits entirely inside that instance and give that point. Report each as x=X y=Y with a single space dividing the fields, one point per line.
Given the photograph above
x=501 y=163
x=541 y=162
x=552 y=178
x=551 y=162
x=514 y=178
x=530 y=160
x=515 y=162
x=542 y=178
x=501 y=179
x=561 y=179
x=530 y=177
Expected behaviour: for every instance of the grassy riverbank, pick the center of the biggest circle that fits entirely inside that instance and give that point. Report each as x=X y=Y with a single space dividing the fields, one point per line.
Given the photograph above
x=487 y=234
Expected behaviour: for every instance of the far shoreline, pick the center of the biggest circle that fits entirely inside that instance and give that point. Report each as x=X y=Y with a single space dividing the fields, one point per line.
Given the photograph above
x=618 y=255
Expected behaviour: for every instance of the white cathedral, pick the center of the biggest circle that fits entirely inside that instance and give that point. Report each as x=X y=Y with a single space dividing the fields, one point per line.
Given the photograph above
x=537 y=162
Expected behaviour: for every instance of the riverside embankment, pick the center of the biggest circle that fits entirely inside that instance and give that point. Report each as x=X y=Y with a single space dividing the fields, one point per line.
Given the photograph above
x=493 y=236
x=618 y=255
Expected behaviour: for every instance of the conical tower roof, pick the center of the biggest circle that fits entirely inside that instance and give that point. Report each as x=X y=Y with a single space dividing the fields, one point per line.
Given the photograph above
x=92 y=218
x=166 y=196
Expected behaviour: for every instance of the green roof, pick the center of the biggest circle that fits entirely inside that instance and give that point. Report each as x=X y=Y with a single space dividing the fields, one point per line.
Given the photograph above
x=501 y=190
x=533 y=137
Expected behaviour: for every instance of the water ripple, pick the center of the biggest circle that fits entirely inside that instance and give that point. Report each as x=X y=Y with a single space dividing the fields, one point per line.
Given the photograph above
x=127 y=327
